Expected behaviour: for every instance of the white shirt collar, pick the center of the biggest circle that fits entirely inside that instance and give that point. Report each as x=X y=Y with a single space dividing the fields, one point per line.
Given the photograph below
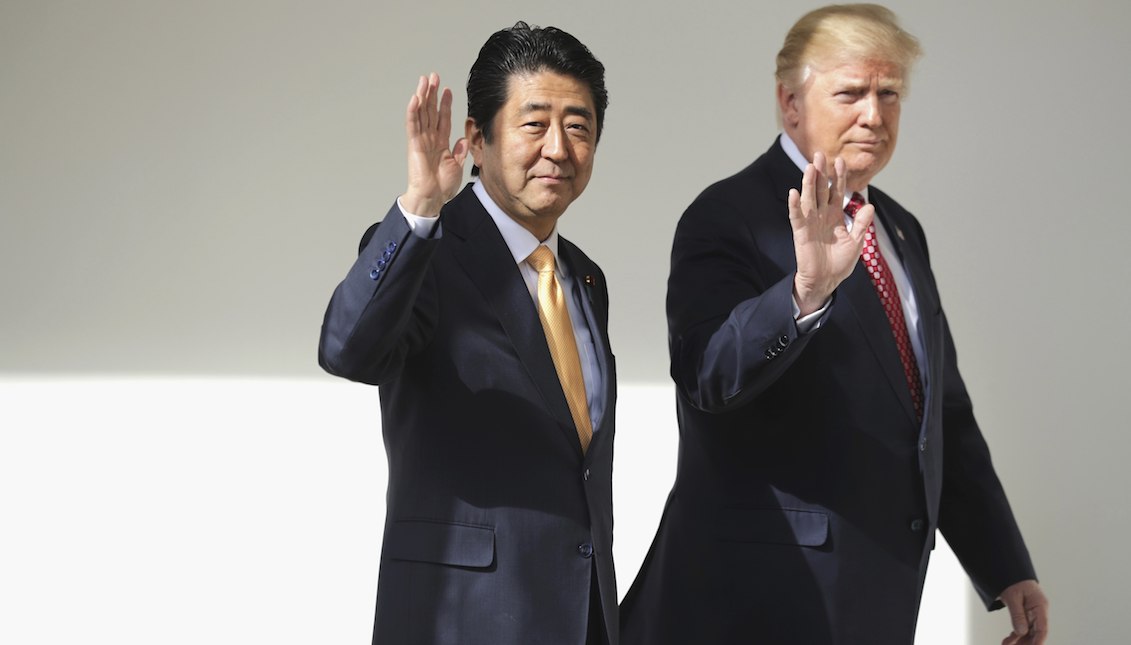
x=520 y=241
x=794 y=153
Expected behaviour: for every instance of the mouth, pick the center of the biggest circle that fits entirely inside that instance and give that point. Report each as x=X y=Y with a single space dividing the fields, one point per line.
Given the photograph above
x=551 y=179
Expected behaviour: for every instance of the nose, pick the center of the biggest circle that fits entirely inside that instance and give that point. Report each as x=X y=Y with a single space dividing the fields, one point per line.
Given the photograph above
x=870 y=114
x=554 y=144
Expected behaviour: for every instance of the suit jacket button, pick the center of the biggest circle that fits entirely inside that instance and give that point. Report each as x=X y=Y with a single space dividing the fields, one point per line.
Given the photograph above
x=917 y=525
x=585 y=475
x=585 y=550
x=375 y=273
x=783 y=342
x=923 y=446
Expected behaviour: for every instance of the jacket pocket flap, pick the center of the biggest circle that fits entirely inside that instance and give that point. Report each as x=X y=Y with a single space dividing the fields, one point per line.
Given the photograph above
x=461 y=545
x=774 y=526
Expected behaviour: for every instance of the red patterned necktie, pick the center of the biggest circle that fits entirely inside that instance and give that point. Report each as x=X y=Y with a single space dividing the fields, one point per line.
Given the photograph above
x=889 y=296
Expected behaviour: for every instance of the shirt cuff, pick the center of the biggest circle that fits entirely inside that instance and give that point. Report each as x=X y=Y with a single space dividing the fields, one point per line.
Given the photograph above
x=811 y=322
x=423 y=227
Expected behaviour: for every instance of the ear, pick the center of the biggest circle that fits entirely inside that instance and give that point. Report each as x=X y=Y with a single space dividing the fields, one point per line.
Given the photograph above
x=474 y=139
x=788 y=104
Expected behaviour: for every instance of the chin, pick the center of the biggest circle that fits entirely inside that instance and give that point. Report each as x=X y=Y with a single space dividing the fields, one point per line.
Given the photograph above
x=866 y=170
x=554 y=200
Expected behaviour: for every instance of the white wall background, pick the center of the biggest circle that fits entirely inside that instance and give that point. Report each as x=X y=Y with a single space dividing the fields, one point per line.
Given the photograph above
x=232 y=511
x=182 y=185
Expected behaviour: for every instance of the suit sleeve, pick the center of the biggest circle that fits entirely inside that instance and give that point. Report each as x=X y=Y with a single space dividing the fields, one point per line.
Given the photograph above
x=974 y=514
x=730 y=309
x=384 y=309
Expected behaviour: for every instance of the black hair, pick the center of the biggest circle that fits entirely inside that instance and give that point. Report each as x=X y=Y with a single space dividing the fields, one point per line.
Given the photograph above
x=523 y=49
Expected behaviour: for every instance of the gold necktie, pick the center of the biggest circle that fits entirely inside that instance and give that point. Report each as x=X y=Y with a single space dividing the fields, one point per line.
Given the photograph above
x=563 y=346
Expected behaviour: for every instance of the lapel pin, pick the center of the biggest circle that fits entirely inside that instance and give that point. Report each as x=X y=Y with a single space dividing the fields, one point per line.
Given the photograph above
x=899 y=232
x=590 y=280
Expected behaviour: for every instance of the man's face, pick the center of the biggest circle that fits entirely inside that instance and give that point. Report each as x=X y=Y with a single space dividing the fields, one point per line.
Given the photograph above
x=848 y=110
x=540 y=156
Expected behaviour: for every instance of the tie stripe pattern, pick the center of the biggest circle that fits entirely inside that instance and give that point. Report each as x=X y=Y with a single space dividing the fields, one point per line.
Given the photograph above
x=886 y=289
x=556 y=323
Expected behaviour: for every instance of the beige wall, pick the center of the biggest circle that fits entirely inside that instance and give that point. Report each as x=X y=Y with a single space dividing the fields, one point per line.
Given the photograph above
x=182 y=184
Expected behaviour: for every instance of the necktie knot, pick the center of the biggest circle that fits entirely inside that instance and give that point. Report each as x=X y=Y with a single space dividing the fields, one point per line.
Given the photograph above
x=542 y=259
x=854 y=204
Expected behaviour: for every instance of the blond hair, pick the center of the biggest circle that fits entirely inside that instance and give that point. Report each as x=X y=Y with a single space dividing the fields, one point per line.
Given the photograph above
x=845 y=32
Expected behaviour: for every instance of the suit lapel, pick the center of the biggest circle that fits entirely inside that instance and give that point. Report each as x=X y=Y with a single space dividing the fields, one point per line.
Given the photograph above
x=860 y=297
x=484 y=256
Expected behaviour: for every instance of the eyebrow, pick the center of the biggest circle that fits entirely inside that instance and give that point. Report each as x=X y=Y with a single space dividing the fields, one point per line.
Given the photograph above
x=576 y=110
x=864 y=83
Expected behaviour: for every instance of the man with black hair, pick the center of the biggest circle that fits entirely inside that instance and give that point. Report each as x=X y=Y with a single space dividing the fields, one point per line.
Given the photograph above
x=487 y=334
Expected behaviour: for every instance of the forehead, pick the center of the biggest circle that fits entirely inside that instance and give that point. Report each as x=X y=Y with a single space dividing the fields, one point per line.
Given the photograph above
x=857 y=72
x=547 y=90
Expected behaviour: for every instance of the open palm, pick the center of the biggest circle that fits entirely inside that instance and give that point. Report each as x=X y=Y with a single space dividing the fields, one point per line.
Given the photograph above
x=827 y=251
x=434 y=169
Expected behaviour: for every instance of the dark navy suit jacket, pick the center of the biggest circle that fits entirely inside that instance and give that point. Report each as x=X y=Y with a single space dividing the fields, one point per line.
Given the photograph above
x=807 y=495
x=495 y=520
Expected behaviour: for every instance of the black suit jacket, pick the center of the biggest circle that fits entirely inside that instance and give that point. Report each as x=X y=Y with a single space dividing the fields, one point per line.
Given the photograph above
x=495 y=520
x=807 y=495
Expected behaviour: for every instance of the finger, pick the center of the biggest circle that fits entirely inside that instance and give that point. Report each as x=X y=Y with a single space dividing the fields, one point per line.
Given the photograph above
x=429 y=113
x=822 y=192
x=807 y=201
x=1039 y=624
x=840 y=183
x=412 y=112
x=1017 y=615
x=422 y=92
x=411 y=118
x=794 y=201
x=445 y=124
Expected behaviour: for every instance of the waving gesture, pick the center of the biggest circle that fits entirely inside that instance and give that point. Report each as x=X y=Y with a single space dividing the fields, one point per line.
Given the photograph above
x=826 y=250
x=434 y=169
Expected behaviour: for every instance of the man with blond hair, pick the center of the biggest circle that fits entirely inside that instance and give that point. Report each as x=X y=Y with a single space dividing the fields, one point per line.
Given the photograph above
x=825 y=431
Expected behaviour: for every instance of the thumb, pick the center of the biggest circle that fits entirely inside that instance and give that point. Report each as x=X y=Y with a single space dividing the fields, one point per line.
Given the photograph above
x=459 y=150
x=861 y=221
